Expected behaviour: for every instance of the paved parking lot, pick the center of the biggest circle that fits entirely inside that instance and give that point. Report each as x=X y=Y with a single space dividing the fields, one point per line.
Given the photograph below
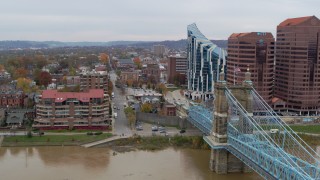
x=170 y=131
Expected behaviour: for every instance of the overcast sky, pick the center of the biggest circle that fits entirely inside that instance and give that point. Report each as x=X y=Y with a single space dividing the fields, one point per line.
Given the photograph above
x=110 y=20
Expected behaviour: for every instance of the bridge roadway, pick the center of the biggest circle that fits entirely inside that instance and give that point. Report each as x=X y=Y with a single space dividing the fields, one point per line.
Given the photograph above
x=250 y=163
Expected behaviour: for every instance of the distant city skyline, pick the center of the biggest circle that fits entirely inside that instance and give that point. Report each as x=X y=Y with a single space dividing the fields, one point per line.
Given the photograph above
x=144 y=20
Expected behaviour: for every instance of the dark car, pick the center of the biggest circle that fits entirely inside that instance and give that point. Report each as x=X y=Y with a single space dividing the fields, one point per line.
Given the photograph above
x=182 y=131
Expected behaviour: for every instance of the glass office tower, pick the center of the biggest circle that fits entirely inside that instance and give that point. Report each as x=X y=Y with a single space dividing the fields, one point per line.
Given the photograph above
x=205 y=61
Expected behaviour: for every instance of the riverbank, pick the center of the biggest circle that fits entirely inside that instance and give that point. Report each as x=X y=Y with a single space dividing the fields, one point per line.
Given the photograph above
x=306 y=128
x=311 y=140
x=156 y=143
x=124 y=144
x=52 y=140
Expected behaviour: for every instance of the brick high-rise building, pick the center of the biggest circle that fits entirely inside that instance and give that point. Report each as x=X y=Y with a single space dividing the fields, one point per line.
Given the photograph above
x=254 y=50
x=297 y=72
x=151 y=73
x=94 y=80
x=177 y=69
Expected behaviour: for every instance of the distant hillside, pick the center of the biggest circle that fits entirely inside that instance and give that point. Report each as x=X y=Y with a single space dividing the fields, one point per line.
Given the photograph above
x=5 y=45
x=180 y=44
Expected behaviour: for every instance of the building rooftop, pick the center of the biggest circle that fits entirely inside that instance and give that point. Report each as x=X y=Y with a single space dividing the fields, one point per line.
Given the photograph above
x=125 y=61
x=294 y=21
x=15 y=118
x=81 y=96
x=251 y=35
x=234 y=35
x=193 y=29
x=94 y=72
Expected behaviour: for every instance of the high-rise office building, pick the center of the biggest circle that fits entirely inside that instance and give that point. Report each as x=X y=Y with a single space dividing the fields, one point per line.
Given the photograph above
x=253 y=51
x=297 y=69
x=205 y=61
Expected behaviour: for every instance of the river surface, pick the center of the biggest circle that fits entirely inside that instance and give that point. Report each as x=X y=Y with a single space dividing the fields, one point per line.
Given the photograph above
x=77 y=163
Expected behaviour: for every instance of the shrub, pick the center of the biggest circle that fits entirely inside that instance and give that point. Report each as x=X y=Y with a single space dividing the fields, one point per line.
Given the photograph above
x=89 y=133
x=29 y=134
x=97 y=133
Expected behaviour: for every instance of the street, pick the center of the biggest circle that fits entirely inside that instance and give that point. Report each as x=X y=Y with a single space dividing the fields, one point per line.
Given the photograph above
x=121 y=125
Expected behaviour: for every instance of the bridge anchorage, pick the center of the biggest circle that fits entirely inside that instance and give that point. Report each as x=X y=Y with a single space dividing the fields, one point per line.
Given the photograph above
x=245 y=134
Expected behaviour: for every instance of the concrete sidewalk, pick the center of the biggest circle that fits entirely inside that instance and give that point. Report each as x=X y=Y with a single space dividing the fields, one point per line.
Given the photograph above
x=104 y=141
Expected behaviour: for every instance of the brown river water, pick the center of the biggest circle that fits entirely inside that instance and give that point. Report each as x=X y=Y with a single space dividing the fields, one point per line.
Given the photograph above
x=77 y=163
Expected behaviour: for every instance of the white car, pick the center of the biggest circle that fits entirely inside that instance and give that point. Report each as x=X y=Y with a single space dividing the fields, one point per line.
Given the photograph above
x=154 y=128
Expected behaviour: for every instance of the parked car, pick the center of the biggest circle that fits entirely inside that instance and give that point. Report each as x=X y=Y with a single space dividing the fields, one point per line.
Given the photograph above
x=139 y=128
x=182 y=131
x=154 y=128
x=162 y=131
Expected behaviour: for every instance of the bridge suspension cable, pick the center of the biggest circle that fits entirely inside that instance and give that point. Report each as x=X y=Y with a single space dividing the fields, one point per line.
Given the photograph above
x=291 y=141
x=255 y=139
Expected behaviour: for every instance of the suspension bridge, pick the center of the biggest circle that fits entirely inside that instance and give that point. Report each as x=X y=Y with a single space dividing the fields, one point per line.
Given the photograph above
x=245 y=133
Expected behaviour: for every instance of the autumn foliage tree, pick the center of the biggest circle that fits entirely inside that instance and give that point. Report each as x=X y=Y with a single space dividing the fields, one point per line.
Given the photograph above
x=137 y=62
x=20 y=73
x=45 y=78
x=104 y=58
x=131 y=115
x=129 y=82
x=24 y=84
x=146 y=107
x=162 y=88
x=1 y=67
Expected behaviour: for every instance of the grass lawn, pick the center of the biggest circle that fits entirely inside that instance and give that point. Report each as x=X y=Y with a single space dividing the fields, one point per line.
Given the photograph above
x=161 y=142
x=314 y=129
x=173 y=89
x=52 y=140
x=70 y=131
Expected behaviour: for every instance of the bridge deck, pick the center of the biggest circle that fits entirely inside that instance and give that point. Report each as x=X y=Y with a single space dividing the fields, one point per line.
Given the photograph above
x=250 y=163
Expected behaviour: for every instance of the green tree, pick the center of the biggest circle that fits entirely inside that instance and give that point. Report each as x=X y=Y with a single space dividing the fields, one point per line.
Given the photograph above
x=36 y=75
x=72 y=71
x=40 y=61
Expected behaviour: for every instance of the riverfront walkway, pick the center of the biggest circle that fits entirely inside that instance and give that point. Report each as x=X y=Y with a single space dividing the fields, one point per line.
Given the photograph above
x=113 y=138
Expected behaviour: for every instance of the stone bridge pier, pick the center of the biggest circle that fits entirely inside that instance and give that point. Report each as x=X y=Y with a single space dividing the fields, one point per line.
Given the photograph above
x=221 y=160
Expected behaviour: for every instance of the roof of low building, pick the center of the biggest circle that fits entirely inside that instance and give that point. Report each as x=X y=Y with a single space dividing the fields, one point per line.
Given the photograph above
x=125 y=61
x=15 y=118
